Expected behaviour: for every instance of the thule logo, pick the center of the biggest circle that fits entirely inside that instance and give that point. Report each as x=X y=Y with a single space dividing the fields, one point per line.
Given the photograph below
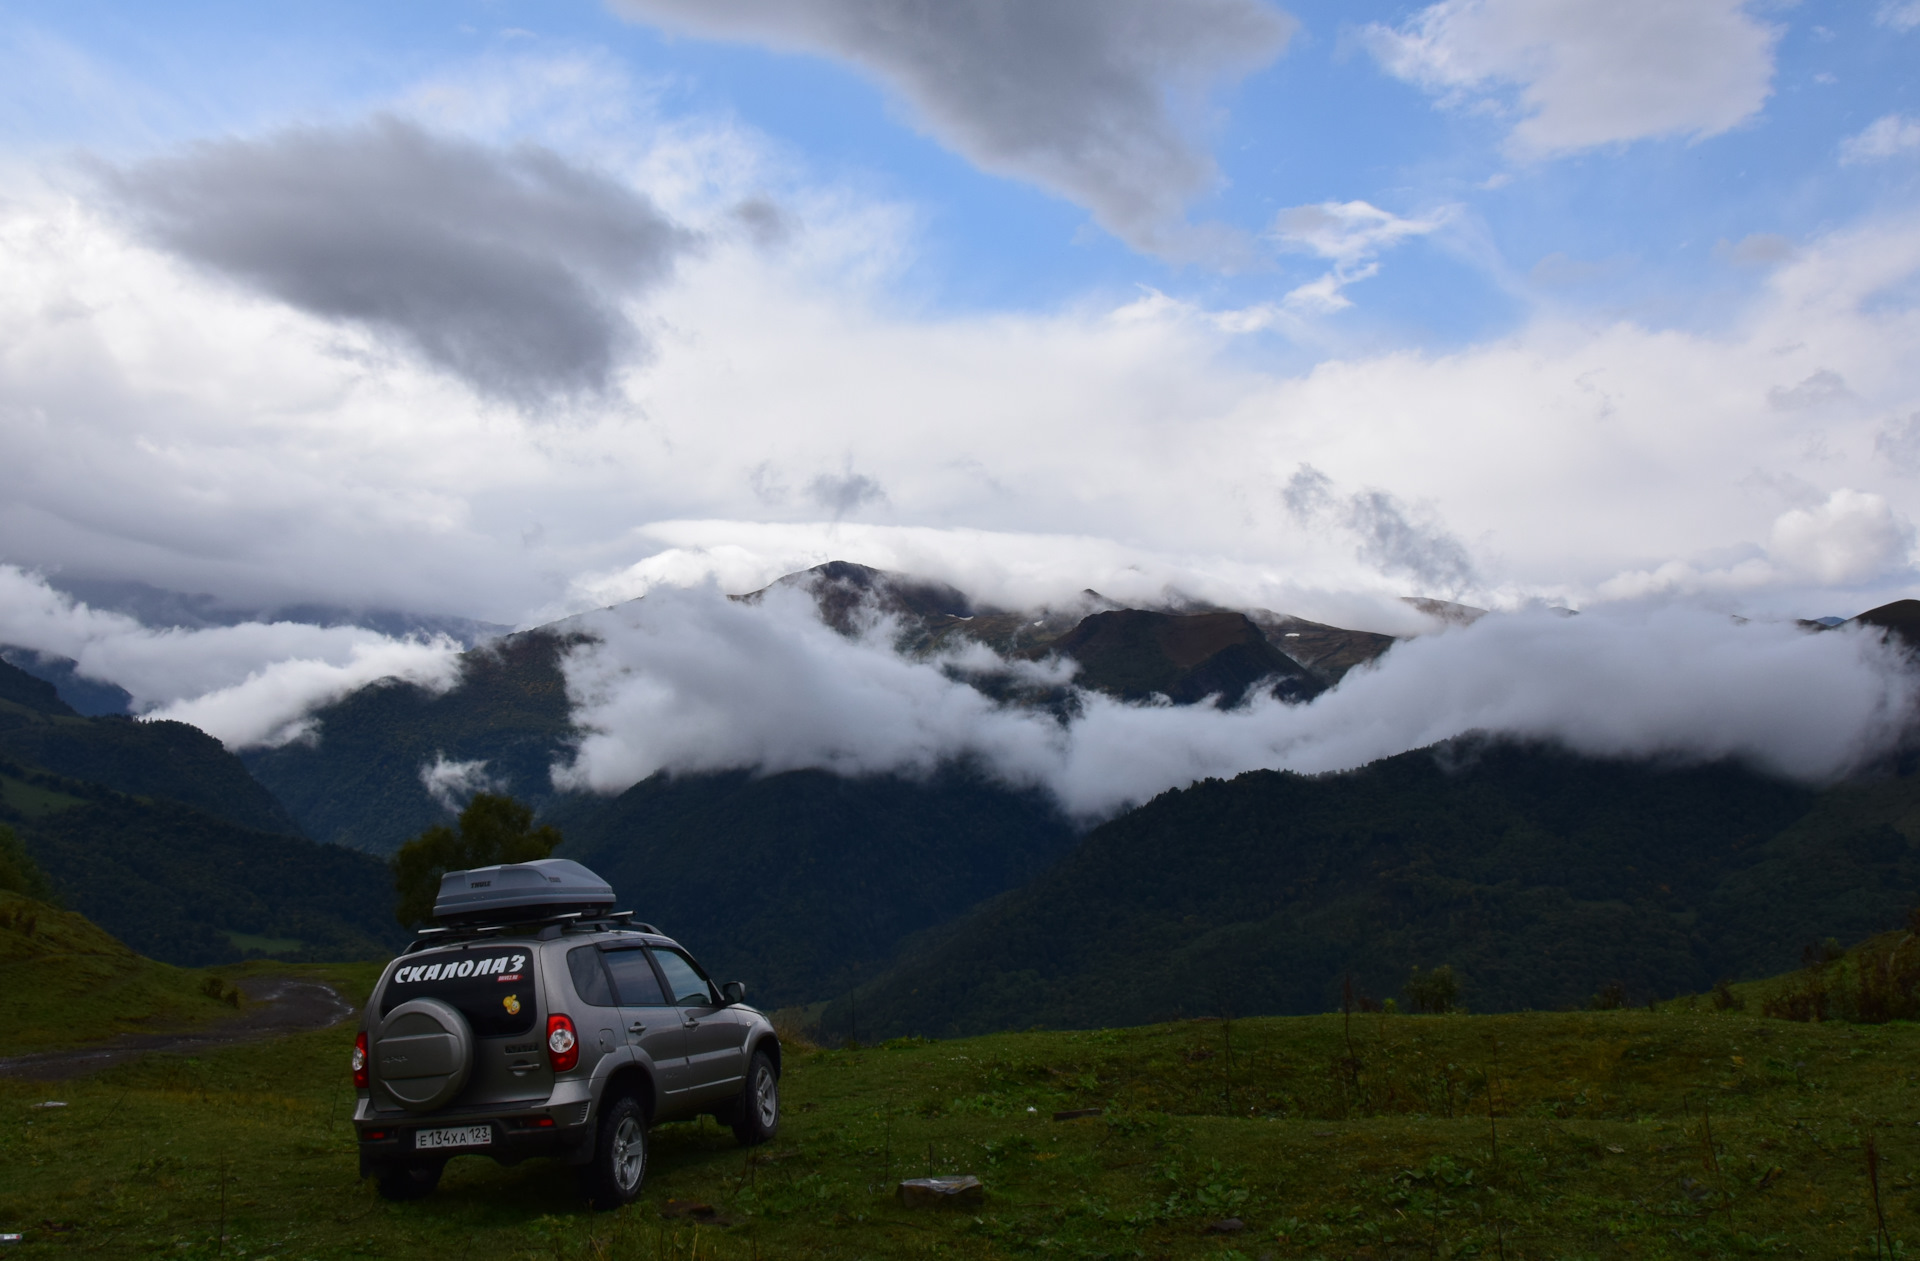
x=479 y=884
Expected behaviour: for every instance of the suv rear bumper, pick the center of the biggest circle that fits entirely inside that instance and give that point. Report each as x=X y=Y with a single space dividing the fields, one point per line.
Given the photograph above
x=513 y=1138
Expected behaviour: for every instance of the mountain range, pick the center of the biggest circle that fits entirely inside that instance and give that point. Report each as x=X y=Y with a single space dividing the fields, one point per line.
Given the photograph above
x=953 y=903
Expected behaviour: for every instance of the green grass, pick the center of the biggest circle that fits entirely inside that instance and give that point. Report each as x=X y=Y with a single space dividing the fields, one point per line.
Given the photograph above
x=1384 y=1149
x=263 y=945
x=71 y=983
x=33 y=801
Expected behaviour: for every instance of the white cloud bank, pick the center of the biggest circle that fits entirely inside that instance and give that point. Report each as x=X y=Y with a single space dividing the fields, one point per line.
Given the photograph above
x=247 y=685
x=1589 y=72
x=160 y=425
x=688 y=681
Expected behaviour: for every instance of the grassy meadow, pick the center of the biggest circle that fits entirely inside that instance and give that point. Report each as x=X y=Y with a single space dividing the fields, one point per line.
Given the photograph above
x=1676 y=1133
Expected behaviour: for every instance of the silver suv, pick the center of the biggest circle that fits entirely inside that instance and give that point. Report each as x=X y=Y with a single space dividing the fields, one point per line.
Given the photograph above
x=538 y=1022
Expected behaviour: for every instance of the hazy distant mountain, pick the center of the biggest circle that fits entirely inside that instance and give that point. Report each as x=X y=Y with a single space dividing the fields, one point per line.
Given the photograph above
x=87 y=697
x=160 y=607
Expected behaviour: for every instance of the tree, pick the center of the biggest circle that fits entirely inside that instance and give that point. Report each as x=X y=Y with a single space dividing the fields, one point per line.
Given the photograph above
x=18 y=872
x=492 y=829
x=1436 y=992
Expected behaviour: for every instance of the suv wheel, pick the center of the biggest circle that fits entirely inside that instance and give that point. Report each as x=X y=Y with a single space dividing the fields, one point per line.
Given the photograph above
x=409 y=1182
x=619 y=1165
x=756 y=1117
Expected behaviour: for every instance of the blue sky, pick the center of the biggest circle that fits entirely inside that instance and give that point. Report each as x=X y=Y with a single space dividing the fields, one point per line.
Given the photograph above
x=1385 y=246
x=1636 y=222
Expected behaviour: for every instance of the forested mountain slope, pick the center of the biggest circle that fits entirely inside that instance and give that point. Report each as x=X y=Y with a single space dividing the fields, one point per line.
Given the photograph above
x=168 y=760
x=1540 y=877
x=805 y=884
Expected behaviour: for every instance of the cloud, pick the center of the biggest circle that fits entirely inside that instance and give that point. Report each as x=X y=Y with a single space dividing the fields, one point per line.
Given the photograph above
x=1588 y=72
x=842 y=493
x=1351 y=234
x=451 y=784
x=1759 y=249
x=1077 y=96
x=1899 y=443
x=689 y=681
x=506 y=267
x=1851 y=537
x=1901 y=15
x=247 y=685
x=1888 y=136
x=157 y=423
x=1388 y=535
x=1818 y=390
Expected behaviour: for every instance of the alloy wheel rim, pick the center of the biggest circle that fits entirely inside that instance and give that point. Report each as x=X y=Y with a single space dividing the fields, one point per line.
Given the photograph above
x=766 y=1094
x=629 y=1153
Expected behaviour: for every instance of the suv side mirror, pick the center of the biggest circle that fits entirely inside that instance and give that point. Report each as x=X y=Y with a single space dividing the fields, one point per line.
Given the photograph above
x=734 y=992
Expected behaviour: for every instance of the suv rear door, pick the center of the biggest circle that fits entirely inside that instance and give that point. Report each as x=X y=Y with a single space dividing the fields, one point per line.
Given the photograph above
x=652 y=1024
x=715 y=1035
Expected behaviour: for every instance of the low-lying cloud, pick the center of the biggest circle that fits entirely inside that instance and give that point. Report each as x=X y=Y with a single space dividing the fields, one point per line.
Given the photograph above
x=688 y=682
x=249 y=685
x=452 y=784
x=506 y=267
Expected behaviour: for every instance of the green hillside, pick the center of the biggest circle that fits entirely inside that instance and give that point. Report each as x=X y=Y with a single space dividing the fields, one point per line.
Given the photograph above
x=186 y=887
x=359 y=784
x=1540 y=877
x=804 y=884
x=148 y=759
x=86 y=985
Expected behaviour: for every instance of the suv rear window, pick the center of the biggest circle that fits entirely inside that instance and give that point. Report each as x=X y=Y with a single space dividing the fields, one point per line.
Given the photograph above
x=633 y=977
x=492 y=985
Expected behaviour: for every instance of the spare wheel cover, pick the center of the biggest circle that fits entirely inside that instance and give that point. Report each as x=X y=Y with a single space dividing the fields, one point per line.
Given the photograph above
x=422 y=1053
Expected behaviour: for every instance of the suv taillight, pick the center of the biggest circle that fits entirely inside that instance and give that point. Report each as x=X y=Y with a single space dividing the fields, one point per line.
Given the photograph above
x=563 y=1047
x=360 y=1061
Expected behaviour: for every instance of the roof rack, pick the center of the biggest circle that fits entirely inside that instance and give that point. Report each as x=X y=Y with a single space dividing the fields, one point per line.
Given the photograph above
x=426 y=937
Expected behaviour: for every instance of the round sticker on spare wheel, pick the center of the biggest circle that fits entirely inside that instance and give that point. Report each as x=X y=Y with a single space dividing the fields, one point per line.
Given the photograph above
x=512 y=1003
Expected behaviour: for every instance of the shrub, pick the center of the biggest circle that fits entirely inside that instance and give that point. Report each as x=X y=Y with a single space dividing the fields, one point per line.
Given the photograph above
x=1435 y=992
x=1612 y=997
x=1876 y=981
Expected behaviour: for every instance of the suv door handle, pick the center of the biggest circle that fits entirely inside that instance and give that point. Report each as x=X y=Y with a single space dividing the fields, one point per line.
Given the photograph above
x=636 y=1027
x=690 y=1023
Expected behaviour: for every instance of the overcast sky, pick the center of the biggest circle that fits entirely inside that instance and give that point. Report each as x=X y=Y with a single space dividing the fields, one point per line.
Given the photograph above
x=496 y=310
x=489 y=309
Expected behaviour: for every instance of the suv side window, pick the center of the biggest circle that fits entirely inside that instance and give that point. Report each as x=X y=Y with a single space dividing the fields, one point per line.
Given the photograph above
x=633 y=978
x=684 y=979
x=589 y=978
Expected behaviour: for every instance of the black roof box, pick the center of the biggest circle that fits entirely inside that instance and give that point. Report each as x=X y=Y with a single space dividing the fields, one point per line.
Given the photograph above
x=518 y=892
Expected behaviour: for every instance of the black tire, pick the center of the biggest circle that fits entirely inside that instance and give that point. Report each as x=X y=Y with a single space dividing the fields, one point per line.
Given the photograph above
x=409 y=1182
x=756 y=1116
x=619 y=1166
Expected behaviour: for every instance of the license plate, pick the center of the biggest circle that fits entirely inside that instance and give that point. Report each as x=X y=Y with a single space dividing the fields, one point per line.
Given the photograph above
x=459 y=1136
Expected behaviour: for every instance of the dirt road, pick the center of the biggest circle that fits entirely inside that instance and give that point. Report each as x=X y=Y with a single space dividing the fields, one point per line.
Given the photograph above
x=276 y=1006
